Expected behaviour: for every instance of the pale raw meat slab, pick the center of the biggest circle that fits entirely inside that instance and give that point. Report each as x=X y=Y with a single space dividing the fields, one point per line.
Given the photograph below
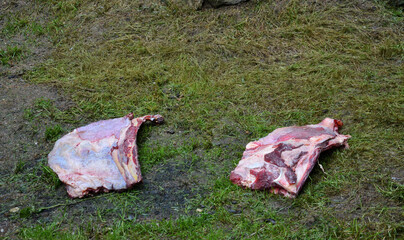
x=99 y=157
x=283 y=160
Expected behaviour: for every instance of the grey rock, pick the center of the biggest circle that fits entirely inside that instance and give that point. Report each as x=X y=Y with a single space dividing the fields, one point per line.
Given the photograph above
x=218 y=3
x=234 y=211
x=186 y=4
x=270 y=220
x=197 y=4
x=396 y=3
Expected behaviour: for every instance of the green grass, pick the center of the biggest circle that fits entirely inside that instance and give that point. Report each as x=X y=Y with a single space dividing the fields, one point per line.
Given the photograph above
x=50 y=177
x=45 y=109
x=27 y=25
x=53 y=133
x=224 y=77
x=14 y=24
x=10 y=54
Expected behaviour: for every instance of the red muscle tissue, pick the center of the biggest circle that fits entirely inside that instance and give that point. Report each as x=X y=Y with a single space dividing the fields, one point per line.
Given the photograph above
x=283 y=160
x=101 y=156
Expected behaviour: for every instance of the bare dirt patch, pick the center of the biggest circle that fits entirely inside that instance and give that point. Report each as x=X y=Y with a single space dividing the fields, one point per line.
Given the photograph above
x=17 y=139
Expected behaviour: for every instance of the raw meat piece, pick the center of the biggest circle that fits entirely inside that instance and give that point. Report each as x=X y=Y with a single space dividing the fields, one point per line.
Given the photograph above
x=283 y=160
x=101 y=156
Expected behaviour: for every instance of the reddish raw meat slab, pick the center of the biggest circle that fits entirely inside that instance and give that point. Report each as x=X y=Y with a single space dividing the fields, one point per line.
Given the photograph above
x=101 y=156
x=283 y=160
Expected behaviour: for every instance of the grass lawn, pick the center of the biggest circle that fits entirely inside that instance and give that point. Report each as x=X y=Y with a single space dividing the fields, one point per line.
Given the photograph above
x=221 y=78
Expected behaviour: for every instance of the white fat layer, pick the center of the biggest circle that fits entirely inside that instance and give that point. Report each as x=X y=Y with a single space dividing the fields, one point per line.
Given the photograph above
x=301 y=168
x=248 y=180
x=281 y=175
x=256 y=165
x=251 y=145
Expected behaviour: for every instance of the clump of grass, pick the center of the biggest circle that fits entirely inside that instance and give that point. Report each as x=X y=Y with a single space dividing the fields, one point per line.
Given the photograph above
x=15 y=24
x=150 y=156
x=46 y=232
x=392 y=50
x=27 y=212
x=37 y=29
x=44 y=104
x=28 y=114
x=19 y=166
x=49 y=176
x=10 y=55
x=53 y=133
x=44 y=108
x=393 y=190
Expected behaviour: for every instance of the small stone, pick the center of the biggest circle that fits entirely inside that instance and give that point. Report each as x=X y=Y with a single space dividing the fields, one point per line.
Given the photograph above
x=14 y=210
x=170 y=131
x=199 y=210
x=234 y=211
x=218 y=3
x=270 y=220
x=233 y=202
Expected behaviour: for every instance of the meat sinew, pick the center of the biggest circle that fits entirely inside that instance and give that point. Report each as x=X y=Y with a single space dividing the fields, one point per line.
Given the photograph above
x=283 y=160
x=101 y=156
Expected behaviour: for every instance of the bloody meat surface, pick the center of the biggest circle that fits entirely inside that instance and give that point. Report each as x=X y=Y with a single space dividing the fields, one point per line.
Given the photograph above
x=101 y=156
x=283 y=160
